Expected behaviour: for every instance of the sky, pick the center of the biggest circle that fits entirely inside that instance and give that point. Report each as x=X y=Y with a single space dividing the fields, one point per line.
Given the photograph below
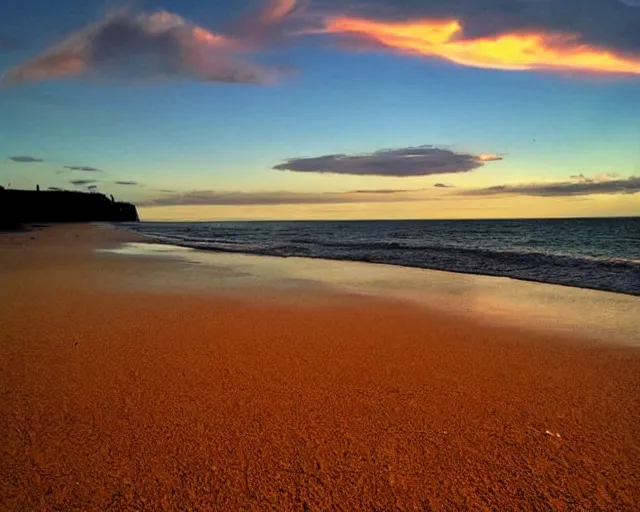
x=326 y=109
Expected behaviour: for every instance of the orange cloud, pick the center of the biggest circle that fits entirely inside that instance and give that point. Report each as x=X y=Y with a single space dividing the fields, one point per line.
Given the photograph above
x=511 y=51
x=489 y=157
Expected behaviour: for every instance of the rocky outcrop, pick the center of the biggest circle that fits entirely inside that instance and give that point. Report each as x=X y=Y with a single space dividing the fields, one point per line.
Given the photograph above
x=19 y=207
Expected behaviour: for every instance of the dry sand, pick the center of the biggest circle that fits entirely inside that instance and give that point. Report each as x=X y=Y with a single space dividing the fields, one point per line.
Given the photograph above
x=118 y=399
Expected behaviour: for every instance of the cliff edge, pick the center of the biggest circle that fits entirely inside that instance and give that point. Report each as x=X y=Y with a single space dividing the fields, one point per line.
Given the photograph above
x=19 y=207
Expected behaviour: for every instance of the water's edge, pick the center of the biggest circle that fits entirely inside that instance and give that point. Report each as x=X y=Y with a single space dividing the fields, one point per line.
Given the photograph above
x=205 y=247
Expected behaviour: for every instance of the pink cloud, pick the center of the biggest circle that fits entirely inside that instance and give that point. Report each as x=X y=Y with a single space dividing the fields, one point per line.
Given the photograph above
x=157 y=45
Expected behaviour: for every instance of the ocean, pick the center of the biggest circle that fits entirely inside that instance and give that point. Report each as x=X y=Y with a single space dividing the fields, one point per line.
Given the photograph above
x=601 y=253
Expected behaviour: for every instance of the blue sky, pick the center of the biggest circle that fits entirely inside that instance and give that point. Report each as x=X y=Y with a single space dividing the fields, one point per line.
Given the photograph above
x=199 y=147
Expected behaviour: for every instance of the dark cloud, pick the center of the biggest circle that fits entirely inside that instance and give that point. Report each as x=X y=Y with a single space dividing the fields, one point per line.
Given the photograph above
x=413 y=161
x=443 y=185
x=613 y=24
x=214 y=198
x=584 y=187
x=128 y=183
x=25 y=159
x=55 y=189
x=79 y=183
x=82 y=168
x=92 y=187
x=158 y=45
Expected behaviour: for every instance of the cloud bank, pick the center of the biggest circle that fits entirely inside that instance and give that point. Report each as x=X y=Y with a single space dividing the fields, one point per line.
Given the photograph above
x=127 y=183
x=216 y=198
x=595 y=36
x=157 y=45
x=403 y=162
x=601 y=36
x=25 y=159
x=581 y=187
x=584 y=187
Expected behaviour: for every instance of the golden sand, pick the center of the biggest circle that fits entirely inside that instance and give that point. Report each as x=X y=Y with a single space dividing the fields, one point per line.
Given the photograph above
x=116 y=398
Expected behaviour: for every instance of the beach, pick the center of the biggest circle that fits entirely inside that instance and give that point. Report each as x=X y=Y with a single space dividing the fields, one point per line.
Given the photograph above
x=125 y=387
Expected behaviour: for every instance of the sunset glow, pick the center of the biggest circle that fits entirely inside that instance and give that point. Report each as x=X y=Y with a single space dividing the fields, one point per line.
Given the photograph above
x=489 y=157
x=312 y=109
x=511 y=51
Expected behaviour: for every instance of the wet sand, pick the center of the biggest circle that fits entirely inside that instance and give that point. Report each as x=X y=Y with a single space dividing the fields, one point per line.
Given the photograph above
x=118 y=397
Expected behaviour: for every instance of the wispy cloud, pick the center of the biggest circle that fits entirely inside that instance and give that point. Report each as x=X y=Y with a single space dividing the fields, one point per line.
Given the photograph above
x=82 y=168
x=217 y=198
x=580 y=187
x=412 y=161
x=127 y=183
x=79 y=183
x=25 y=159
x=157 y=45
x=579 y=35
x=267 y=23
x=274 y=11
x=442 y=185
x=609 y=176
x=386 y=191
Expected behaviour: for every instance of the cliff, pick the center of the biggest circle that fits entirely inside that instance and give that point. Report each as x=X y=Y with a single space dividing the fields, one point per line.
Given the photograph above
x=26 y=206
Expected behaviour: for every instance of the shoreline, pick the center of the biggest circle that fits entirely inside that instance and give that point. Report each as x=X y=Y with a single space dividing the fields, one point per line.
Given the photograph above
x=611 y=287
x=159 y=383
x=608 y=314
x=164 y=241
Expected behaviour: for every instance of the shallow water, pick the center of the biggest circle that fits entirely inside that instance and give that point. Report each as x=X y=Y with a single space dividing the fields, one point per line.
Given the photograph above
x=602 y=254
x=588 y=314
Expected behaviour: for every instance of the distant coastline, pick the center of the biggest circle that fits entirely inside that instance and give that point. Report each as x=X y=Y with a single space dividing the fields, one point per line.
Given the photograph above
x=20 y=207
